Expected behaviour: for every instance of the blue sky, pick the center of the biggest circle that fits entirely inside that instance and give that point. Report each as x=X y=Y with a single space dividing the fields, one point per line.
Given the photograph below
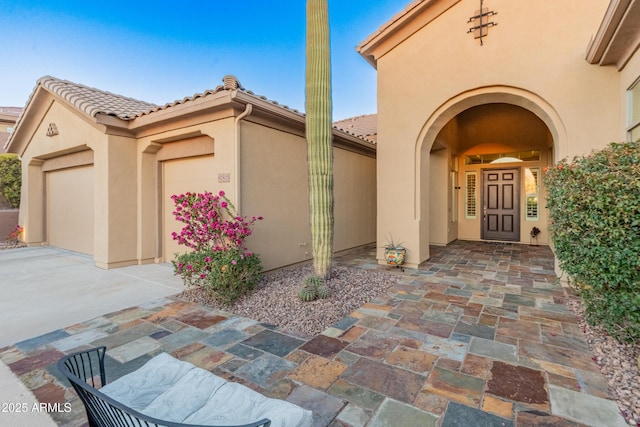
x=161 y=51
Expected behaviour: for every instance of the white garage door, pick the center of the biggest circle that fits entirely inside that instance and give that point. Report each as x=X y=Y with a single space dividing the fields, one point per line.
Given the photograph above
x=181 y=176
x=70 y=209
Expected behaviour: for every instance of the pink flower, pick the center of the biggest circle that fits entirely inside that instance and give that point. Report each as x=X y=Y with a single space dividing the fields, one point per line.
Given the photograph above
x=233 y=261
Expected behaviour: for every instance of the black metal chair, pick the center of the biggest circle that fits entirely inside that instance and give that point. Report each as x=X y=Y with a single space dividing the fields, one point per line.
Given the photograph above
x=85 y=371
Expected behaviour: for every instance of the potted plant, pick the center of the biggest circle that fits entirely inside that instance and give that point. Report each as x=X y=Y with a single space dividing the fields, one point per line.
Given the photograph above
x=394 y=252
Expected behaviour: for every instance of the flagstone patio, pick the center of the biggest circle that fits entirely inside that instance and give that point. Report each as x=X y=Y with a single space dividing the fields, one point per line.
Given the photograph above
x=478 y=336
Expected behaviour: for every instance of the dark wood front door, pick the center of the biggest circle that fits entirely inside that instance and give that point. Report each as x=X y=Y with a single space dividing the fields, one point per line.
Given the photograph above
x=501 y=204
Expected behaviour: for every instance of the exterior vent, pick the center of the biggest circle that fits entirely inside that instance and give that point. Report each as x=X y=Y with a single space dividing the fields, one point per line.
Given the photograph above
x=52 y=130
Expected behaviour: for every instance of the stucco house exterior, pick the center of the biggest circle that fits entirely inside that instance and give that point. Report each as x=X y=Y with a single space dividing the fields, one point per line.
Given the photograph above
x=99 y=170
x=8 y=215
x=8 y=117
x=474 y=103
x=475 y=99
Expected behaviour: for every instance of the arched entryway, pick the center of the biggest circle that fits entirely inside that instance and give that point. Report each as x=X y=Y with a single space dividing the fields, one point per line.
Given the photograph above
x=479 y=164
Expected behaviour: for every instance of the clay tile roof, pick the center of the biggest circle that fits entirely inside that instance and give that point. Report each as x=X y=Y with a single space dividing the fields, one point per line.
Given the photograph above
x=230 y=82
x=365 y=126
x=10 y=111
x=94 y=101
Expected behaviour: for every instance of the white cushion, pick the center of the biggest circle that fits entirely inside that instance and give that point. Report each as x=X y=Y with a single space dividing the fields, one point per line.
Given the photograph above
x=176 y=391
x=142 y=386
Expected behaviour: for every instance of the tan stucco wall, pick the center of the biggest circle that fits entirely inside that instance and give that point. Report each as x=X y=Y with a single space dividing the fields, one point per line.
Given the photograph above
x=115 y=202
x=354 y=198
x=125 y=214
x=164 y=170
x=533 y=58
x=49 y=154
x=274 y=182
x=112 y=163
x=275 y=186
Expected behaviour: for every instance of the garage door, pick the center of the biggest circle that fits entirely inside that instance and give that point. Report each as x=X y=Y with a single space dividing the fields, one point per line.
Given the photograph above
x=70 y=208
x=180 y=176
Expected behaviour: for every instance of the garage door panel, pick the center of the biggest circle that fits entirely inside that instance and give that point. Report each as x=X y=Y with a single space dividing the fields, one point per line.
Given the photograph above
x=70 y=209
x=197 y=175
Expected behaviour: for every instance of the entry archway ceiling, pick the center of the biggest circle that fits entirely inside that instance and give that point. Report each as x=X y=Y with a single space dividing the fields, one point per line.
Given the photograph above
x=501 y=124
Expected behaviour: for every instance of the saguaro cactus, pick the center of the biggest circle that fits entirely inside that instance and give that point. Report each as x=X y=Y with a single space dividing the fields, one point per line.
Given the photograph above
x=319 y=135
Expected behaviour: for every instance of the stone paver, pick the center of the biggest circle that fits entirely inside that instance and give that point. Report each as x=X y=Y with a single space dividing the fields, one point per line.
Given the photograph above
x=476 y=336
x=393 y=413
x=585 y=408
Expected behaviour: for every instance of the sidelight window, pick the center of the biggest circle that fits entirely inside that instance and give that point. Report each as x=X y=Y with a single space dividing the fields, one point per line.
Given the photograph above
x=532 y=191
x=470 y=205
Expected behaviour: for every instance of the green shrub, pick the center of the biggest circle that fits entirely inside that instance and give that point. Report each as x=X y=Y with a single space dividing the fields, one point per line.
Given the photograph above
x=224 y=275
x=233 y=274
x=594 y=208
x=10 y=179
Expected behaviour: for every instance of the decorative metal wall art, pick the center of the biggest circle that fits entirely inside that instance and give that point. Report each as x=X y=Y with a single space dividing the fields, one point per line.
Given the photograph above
x=481 y=21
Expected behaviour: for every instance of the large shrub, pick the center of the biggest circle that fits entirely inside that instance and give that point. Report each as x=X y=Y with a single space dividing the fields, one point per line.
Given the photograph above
x=10 y=180
x=218 y=263
x=594 y=207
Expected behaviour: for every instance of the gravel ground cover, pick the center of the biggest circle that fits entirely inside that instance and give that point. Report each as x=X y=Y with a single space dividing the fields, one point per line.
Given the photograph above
x=618 y=363
x=6 y=244
x=275 y=300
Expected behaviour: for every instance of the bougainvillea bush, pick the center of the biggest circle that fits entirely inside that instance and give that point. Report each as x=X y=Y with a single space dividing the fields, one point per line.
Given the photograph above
x=594 y=208
x=219 y=263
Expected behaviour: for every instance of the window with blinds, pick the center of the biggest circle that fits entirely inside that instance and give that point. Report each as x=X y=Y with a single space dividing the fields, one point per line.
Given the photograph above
x=532 y=191
x=470 y=205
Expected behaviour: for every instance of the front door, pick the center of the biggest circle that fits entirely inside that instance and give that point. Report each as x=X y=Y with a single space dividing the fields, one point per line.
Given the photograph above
x=501 y=204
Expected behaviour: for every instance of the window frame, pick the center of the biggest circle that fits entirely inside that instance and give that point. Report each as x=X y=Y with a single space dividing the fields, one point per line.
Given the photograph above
x=633 y=112
x=535 y=171
x=471 y=195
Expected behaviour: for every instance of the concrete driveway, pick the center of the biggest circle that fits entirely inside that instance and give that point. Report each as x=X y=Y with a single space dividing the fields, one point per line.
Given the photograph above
x=43 y=289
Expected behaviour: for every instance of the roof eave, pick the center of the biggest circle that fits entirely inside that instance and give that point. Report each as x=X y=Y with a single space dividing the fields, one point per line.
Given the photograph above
x=404 y=24
x=618 y=36
x=353 y=143
x=192 y=107
x=38 y=103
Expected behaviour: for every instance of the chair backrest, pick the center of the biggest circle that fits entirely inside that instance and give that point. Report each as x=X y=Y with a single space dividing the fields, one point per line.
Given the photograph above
x=85 y=371
x=87 y=366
